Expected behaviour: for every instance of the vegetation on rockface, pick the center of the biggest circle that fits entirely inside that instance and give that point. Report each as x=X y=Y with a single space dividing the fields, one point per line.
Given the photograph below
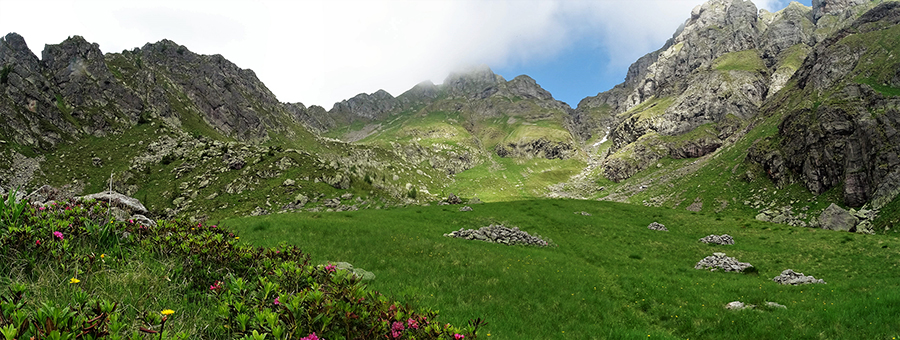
x=609 y=277
x=70 y=271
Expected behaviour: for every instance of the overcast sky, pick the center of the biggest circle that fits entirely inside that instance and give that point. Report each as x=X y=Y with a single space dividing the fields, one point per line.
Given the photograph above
x=321 y=52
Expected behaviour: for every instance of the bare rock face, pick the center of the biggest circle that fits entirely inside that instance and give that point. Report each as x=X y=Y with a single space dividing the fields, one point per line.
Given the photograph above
x=823 y=7
x=851 y=136
x=366 y=106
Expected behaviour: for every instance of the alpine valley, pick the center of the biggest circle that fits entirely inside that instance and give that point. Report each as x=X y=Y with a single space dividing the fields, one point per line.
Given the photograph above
x=778 y=120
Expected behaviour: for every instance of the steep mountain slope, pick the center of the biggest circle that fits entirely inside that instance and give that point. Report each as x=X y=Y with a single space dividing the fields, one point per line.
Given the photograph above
x=188 y=133
x=686 y=99
x=841 y=114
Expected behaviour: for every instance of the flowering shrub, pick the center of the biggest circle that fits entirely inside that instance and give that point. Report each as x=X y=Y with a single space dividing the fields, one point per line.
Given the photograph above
x=250 y=293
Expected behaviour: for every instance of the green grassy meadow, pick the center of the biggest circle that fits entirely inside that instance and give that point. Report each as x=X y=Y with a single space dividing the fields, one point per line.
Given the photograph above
x=608 y=277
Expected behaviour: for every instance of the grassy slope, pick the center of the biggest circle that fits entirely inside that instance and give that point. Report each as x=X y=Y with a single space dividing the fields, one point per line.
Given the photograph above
x=609 y=277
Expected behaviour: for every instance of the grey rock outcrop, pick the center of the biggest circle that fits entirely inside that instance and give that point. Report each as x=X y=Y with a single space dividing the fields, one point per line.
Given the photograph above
x=497 y=233
x=718 y=261
x=836 y=218
x=465 y=208
x=790 y=277
x=118 y=200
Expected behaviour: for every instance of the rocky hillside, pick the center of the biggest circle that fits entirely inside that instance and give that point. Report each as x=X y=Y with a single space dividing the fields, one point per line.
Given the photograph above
x=841 y=114
x=688 y=98
x=189 y=133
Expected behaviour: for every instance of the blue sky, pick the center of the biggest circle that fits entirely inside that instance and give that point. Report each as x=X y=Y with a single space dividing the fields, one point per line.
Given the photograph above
x=324 y=51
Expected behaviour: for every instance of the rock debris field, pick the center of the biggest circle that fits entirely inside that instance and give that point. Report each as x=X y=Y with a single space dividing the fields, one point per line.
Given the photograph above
x=497 y=233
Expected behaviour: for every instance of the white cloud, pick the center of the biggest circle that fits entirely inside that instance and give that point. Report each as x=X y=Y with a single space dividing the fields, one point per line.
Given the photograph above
x=320 y=52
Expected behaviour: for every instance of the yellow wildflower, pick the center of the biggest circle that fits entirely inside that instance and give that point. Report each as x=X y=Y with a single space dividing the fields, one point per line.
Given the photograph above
x=167 y=312
x=74 y=280
x=102 y=256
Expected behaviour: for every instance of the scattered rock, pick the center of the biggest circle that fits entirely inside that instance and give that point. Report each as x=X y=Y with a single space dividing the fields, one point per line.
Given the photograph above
x=259 y=211
x=332 y=203
x=44 y=194
x=836 y=218
x=465 y=208
x=497 y=233
x=720 y=261
x=775 y=305
x=347 y=196
x=97 y=162
x=474 y=200
x=453 y=199
x=657 y=226
x=725 y=239
x=790 y=277
x=583 y=213
x=289 y=182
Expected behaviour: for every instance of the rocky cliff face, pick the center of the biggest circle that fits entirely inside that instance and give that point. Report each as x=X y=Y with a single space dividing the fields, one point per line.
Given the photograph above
x=74 y=89
x=719 y=69
x=842 y=115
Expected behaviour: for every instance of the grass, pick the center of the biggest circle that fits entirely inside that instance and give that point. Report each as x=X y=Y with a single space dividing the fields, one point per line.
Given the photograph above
x=609 y=277
x=72 y=272
x=747 y=60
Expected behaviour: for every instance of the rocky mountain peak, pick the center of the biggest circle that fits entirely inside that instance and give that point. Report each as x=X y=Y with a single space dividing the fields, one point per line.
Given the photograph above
x=422 y=92
x=368 y=106
x=472 y=81
x=526 y=87
x=823 y=7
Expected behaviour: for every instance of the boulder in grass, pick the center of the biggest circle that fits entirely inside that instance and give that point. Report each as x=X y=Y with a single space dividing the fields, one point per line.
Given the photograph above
x=657 y=226
x=117 y=199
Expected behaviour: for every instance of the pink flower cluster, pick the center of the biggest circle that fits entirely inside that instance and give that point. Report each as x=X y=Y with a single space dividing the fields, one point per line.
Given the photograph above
x=330 y=268
x=412 y=323
x=396 y=329
x=458 y=336
x=276 y=301
x=58 y=235
x=310 y=337
x=216 y=286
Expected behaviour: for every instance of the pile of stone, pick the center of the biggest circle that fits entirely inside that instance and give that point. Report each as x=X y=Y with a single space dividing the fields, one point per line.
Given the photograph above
x=790 y=277
x=720 y=261
x=657 y=226
x=465 y=208
x=497 y=233
x=716 y=239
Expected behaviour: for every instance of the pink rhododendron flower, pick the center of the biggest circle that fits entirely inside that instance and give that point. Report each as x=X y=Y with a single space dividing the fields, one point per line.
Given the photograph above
x=311 y=337
x=458 y=336
x=412 y=323
x=58 y=235
x=38 y=242
x=330 y=268
x=276 y=301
